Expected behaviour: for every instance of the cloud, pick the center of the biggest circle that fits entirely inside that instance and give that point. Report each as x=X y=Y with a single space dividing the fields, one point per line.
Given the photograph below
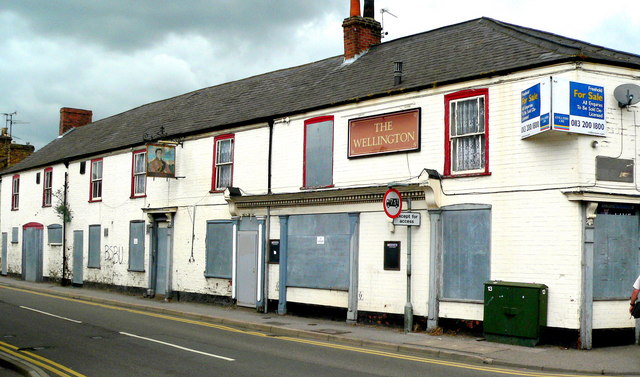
x=110 y=56
x=131 y=25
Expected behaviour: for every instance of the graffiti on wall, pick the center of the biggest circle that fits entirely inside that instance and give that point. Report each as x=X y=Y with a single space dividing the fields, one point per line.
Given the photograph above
x=114 y=254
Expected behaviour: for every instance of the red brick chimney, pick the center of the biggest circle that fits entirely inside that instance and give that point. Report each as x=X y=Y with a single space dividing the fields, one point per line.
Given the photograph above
x=70 y=118
x=360 y=33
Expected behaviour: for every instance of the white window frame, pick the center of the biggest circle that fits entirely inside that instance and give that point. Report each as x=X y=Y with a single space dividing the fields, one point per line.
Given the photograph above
x=96 y=181
x=15 y=193
x=459 y=136
x=474 y=133
x=220 y=166
x=139 y=175
x=47 y=184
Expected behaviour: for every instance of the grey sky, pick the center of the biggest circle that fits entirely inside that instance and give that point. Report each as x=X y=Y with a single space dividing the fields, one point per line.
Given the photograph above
x=113 y=55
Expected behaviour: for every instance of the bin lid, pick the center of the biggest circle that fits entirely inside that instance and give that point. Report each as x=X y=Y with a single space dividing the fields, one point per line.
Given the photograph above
x=515 y=284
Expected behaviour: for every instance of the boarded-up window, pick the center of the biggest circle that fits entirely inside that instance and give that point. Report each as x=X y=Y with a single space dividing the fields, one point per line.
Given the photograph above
x=14 y=234
x=94 y=246
x=219 y=249
x=318 y=152
x=318 y=251
x=615 y=257
x=466 y=251
x=54 y=234
x=136 y=246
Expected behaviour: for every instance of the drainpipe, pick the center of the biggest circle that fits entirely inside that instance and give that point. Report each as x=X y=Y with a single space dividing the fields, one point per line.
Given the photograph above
x=267 y=232
x=269 y=158
x=65 y=280
x=408 y=307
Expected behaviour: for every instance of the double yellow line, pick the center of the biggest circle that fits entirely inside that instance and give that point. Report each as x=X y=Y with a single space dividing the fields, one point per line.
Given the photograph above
x=42 y=362
x=483 y=368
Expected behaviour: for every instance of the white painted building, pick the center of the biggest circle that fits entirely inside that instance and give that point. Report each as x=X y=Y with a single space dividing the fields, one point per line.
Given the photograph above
x=301 y=159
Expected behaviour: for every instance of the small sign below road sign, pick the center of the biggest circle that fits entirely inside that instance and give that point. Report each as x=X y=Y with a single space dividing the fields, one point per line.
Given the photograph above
x=408 y=218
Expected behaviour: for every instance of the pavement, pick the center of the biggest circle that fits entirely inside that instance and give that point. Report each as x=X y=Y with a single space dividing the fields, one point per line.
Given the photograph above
x=619 y=360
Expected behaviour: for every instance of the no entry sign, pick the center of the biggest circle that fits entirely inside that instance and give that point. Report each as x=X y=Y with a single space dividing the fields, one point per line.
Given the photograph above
x=392 y=203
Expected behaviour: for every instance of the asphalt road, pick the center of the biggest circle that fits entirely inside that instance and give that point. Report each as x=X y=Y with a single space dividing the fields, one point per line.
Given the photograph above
x=78 y=338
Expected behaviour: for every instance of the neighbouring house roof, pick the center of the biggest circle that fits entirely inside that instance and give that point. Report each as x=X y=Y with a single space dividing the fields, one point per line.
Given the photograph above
x=478 y=48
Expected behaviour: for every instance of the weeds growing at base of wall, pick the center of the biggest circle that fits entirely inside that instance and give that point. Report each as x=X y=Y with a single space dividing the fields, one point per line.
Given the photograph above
x=62 y=209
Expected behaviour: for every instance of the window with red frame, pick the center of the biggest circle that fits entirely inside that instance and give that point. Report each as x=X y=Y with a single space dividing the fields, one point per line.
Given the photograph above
x=318 y=152
x=15 y=192
x=139 y=174
x=467 y=132
x=222 y=162
x=46 y=187
x=95 y=190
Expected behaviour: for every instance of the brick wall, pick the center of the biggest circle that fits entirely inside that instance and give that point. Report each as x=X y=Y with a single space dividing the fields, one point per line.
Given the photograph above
x=359 y=34
x=11 y=154
x=70 y=118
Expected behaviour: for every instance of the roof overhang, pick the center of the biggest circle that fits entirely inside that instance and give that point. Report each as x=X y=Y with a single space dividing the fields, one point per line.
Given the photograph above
x=601 y=196
x=370 y=194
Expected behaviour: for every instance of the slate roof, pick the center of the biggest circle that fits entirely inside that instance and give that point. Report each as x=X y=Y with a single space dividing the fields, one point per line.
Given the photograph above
x=477 y=48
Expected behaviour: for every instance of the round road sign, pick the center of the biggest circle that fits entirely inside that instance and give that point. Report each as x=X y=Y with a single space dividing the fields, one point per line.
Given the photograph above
x=392 y=203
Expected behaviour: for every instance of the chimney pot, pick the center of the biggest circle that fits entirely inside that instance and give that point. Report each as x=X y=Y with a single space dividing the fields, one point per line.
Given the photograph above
x=355 y=8
x=369 y=9
x=71 y=118
x=360 y=33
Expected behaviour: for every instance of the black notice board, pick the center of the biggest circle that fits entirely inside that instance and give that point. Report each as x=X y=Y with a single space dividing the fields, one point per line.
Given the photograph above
x=392 y=255
x=274 y=251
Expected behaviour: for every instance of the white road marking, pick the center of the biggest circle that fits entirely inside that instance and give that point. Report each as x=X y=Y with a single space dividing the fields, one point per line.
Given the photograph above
x=49 y=314
x=179 y=347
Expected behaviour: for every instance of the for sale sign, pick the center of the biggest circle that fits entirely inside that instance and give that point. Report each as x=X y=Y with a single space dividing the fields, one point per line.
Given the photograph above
x=562 y=105
x=578 y=108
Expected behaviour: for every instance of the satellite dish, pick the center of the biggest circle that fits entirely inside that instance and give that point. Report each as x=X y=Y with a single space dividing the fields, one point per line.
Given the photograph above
x=627 y=94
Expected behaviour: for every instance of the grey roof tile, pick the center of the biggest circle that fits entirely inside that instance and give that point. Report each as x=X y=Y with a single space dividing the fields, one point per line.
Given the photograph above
x=478 y=48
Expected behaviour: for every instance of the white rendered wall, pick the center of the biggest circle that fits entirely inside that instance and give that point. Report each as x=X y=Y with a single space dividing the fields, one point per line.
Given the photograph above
x=536 y=231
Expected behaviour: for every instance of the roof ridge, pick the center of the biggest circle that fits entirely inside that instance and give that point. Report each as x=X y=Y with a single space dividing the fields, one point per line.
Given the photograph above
x=519 y=29
x=190 y=93
x=540 y=35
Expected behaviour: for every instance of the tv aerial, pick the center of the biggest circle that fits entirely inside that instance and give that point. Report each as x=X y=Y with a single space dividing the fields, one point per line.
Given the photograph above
x=627 y=94
x=382 y=12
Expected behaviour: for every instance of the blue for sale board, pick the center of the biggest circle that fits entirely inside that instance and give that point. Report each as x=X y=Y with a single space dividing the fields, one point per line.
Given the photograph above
x=586 y=100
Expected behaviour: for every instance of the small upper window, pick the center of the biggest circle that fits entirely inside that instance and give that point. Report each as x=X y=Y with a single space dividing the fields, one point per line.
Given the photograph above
x=318 y=152
x=467 y=133
x=15 y=192
x=54 y=233
x=96 y=181
x=223 y=162
x=46 y=187
x=139 y=174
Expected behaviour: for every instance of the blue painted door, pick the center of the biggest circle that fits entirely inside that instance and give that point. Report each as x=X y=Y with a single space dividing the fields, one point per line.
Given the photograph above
x=78 y=256
x=247 y=268
x=32 y=239
x=161 y=259
x=4 y=253
x=616 y=256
